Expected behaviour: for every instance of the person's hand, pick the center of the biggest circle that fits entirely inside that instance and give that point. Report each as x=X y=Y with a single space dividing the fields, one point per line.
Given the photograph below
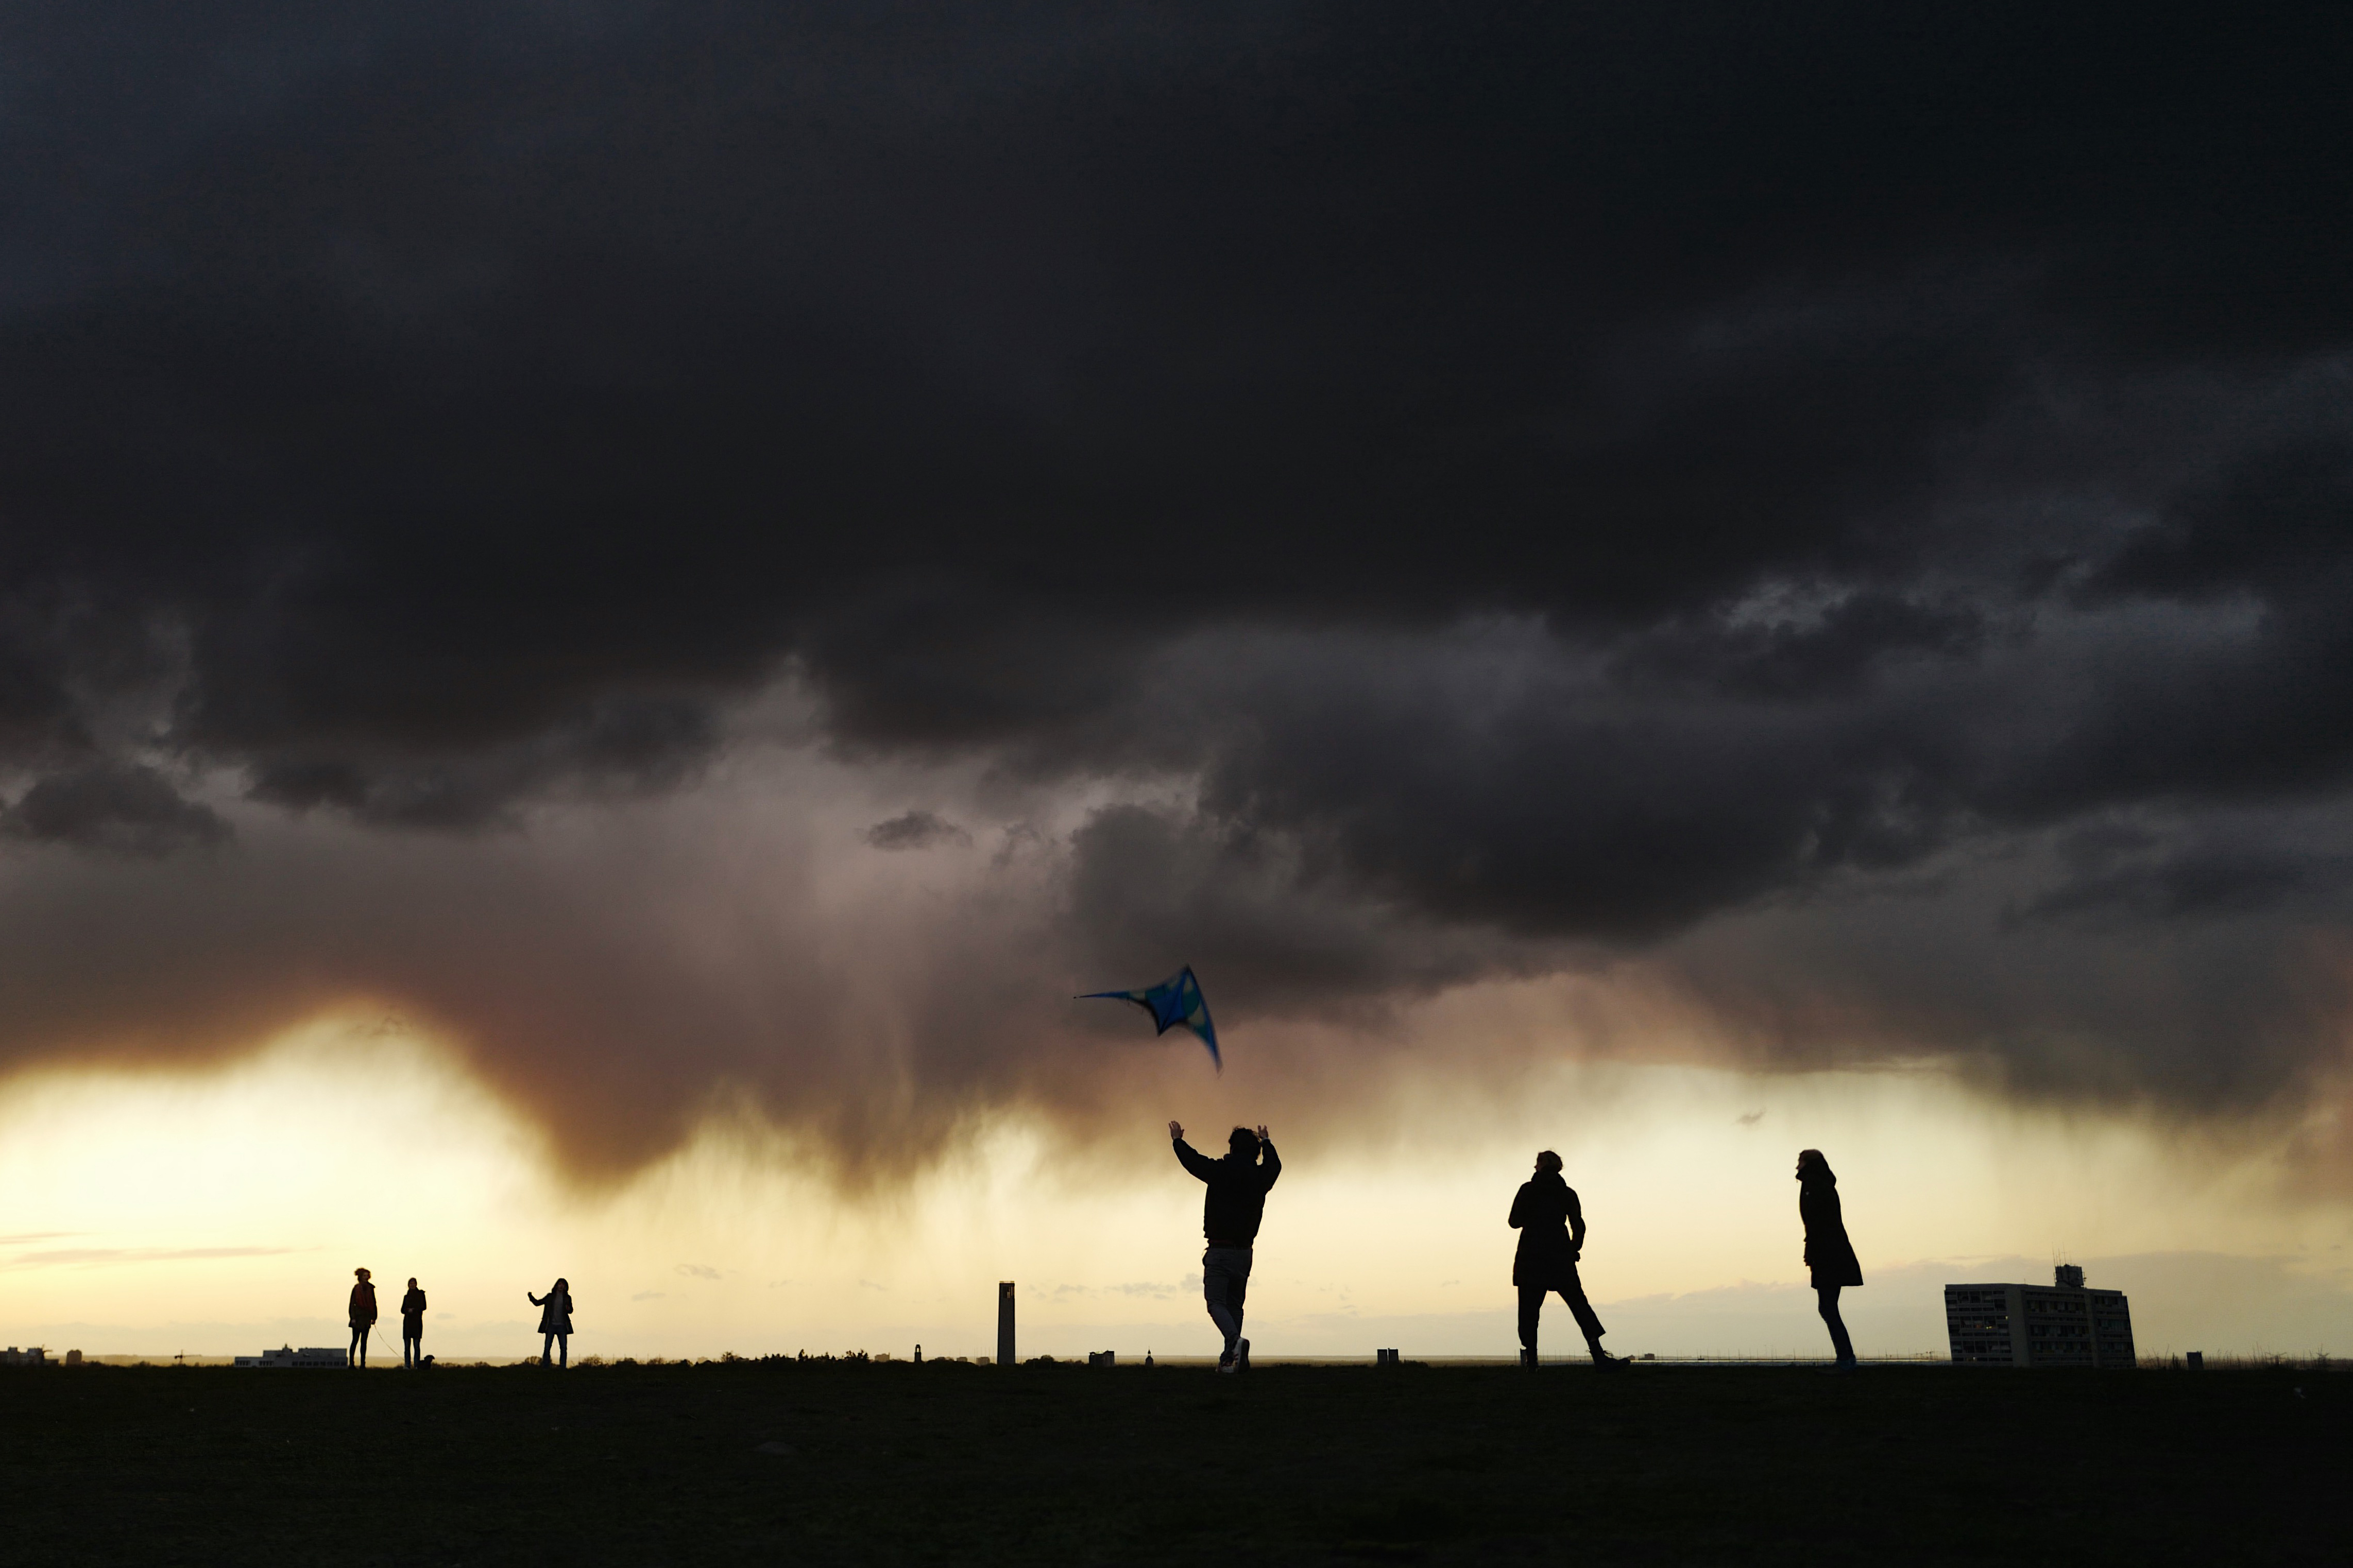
x=1262 y=1132
x=1176 y=1130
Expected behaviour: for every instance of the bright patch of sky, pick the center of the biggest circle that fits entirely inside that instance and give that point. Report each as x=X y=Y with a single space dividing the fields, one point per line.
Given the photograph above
x=219 y=1213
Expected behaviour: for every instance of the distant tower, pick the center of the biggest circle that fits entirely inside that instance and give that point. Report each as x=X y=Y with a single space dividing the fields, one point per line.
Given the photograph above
x=1004 y=1322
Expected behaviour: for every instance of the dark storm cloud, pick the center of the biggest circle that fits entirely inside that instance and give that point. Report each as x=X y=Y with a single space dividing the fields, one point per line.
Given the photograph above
x=2116 y=871
x=114 y=807
x=1551 y=477
x=915 y=830
x=616 y=743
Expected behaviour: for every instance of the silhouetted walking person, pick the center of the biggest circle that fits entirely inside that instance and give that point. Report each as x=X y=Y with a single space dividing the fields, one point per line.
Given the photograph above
x=555 y=1322
x=362 y=1316
x=1552 y=1237
x=1827 y=1252
x=412 y=1325
x=1230 y=1213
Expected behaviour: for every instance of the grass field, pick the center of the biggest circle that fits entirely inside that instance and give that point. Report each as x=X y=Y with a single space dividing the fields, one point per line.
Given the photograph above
x=844 y=1462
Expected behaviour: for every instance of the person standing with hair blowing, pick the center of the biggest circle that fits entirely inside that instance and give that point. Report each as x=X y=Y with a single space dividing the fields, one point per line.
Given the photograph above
x=1552 y=1238
x=1230 y=1213
x=1829 y=1254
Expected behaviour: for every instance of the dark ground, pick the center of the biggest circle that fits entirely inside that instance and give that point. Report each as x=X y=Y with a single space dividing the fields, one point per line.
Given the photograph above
x=947 y=1463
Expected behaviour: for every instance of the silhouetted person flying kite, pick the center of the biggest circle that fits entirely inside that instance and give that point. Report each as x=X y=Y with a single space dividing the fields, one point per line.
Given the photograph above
x=1231 y=1212
x=555 y=1322
x=362 y=1316
x=1552 y=1237
x=1827 y=1252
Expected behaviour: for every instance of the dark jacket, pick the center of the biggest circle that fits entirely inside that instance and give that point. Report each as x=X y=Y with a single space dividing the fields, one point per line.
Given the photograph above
x=363 y=1305
x=1544 y=1214
x=1236 y=1200
x=412 y=1309
x=554 y=1311
x=1827 y=1252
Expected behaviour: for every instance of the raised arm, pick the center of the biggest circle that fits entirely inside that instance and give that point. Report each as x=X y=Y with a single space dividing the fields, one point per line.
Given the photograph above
x=1270 y=1163
x=1190 y=1157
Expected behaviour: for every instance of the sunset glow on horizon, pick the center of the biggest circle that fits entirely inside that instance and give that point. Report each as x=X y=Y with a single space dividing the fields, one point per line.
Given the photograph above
x=158 y=1213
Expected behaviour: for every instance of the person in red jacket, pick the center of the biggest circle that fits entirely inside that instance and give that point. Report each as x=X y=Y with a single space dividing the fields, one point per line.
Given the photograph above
x=362 y=1316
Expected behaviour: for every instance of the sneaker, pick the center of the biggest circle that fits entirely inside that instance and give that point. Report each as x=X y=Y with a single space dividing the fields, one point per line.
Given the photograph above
x=1225 y=1363
x=1608 y=1362
x=1242 y=1357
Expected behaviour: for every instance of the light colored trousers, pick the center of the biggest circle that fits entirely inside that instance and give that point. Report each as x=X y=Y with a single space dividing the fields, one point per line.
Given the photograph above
x=1225 y=1280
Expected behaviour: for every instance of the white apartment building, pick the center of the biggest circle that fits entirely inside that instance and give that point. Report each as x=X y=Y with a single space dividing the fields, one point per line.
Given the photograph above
x=2065 y=1323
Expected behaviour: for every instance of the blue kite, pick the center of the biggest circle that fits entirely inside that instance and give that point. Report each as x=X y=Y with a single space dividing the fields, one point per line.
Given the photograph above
x=1176 y=1000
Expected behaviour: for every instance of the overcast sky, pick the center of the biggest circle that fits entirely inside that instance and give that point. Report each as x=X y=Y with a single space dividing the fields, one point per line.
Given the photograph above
x=737 y=555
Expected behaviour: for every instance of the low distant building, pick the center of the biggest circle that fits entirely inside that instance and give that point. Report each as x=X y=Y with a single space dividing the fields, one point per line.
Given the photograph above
x=2065 y=1323
x=35 y=1356
x=308 y=1356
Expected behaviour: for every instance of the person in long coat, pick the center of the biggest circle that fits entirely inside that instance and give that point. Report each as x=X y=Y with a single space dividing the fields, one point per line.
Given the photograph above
x=412 y=1325
x=1829 y=1255
x=555 y=1322
x=362 y=1316
x=1552 y=1237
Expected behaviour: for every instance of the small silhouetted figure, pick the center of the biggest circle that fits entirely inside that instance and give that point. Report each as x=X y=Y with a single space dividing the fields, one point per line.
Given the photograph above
x=555 y=1322
x=1552 y=1238
x=362 y=1316
x=1230 y=1213
x=1827 y=1252
x=412 y=1325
